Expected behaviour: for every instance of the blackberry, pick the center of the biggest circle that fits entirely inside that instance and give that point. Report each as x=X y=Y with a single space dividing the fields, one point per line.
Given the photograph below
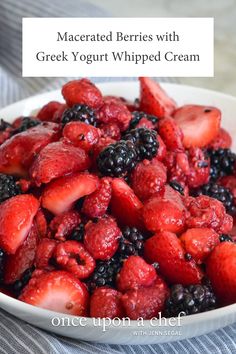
x=145 y=142
x=225 y=238
x=137 y=116
x=26 y=123
x=8 y=187
x=2 y=262
x=18 y=286
x=190 y=300
x=4 y=125
x=220 y=193
x=105 y=273
x=77 y=234
x=79 y=112
x=117 y=159
x=132 y=242
x=222 y=162
x=177 y=186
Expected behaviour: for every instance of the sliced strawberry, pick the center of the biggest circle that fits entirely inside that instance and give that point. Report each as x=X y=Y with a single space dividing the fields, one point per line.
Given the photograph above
x=135 y=273
x=165 y=212
x=47 y=112
x=60 y=195
x=125 y=205
x=154 y=100
x=223 y=140
x=41 y=224
x=166 y=249
x=62 y=225
x=16 y=217
x=221 y=270
x=200 y=124
x=56 y=160
x=199 y=242
x=145 y=302
x=82 y=91
x=17 y=153
x=81 y=134
x=171 y=134
x=148 y=178
x=57 y=291
x=16 y=264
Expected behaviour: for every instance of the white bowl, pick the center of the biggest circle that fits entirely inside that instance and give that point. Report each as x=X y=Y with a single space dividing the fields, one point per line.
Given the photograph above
x=129 y=333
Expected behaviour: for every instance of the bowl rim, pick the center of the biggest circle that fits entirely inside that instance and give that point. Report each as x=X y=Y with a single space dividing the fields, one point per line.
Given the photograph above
x=32 y=310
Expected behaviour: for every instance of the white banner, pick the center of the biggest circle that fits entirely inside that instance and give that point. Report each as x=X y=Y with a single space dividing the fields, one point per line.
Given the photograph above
x=57 y=47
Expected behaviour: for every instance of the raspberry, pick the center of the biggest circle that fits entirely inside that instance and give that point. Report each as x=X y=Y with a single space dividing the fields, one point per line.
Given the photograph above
x=44 y=253
x=95 y=205
x=208 y=212
x=106 y=303
x=148 y=178
x=62 y=225
x=189 y=168
x=190 y=299
x=110 y=130
x=115 y=112
x=72 y=256
x=102 y=238
x=145 y=302
x=145 y=142
x=83 y=92
x=135 y=273
x=117 y=159
x=81 y=113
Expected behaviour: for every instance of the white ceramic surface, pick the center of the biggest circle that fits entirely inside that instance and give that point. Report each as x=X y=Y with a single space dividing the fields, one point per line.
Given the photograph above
x=131 y=333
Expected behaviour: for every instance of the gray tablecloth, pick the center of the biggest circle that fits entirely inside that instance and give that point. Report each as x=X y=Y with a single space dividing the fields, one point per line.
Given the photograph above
x=15 y=335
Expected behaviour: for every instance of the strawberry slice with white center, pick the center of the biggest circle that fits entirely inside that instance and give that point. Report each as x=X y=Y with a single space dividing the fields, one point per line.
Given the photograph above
x=200 y=124
x=16 y=218
x=58 y=291
x=60 y=195
x=154 y=100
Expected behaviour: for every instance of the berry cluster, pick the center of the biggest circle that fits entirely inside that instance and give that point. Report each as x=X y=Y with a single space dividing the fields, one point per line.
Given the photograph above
x=112 y=209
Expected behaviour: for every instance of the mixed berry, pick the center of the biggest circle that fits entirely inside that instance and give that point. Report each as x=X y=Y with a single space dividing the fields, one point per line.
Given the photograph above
x=112 y=208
